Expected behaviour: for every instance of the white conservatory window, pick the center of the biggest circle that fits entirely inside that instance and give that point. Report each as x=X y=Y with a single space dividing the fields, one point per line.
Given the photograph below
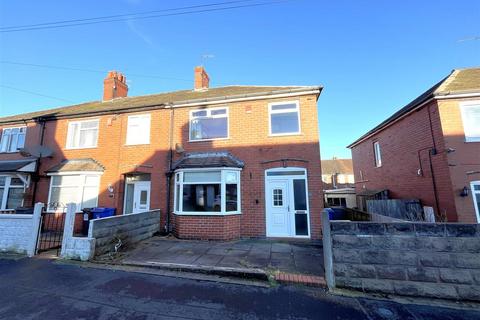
x=207 y=191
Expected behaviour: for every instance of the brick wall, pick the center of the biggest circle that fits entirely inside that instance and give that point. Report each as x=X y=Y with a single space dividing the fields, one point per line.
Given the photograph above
x=207 y=227
x=248 y=140
x=465 y=159
x=411 y=259
x=404 y=148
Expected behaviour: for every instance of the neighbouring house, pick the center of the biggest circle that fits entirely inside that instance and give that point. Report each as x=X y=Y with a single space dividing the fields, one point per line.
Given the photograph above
x=343 y=197
x=337 y=174
x=221 y=163
x=428 y=150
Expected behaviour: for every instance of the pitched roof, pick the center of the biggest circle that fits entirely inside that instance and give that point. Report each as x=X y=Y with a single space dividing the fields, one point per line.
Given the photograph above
x=457 y=82
x=208 y=160
x=333 y=166
x=160 y=100
x=87 y=164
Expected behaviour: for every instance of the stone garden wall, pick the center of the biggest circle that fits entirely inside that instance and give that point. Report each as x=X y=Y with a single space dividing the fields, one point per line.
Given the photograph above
x=438 y=260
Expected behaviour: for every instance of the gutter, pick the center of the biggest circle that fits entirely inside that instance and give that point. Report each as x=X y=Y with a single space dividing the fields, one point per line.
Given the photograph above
x=187 y=103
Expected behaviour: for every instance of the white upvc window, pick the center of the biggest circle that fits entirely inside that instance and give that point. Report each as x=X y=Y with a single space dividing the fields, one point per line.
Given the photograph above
x=209 y=124
x=476 y=197
x=138 y=129
x=284 y=118
x=207 y=191
x=377 y=153
x=471 y=120
x=82 y=134
x=12 y=190
x=13 y=139
x=80 y=188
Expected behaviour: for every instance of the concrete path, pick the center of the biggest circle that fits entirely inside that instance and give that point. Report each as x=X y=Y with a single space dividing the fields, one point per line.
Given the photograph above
x=42 y=289
x=292 y=257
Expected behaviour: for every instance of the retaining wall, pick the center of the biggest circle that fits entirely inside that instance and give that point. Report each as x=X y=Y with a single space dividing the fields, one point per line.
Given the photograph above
x=438 y=260
x=129 y=229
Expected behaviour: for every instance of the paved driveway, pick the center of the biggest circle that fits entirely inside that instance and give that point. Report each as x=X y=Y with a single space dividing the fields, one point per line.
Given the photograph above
x=291 y=257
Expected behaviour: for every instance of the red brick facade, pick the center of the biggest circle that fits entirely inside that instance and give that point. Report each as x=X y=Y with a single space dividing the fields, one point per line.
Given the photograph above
x=406 y=171
x=248 y=140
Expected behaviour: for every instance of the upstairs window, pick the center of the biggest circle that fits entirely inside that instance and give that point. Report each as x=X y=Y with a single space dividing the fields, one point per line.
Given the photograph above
x=208 y=124
x=13 y=139
x=284 y=118
x=82 y=134
x=471 y=121
x=138 y=129
x=378 y=154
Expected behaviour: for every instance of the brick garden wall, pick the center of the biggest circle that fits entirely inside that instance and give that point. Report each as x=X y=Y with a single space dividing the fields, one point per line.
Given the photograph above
x=411 y=259
x=207 y=227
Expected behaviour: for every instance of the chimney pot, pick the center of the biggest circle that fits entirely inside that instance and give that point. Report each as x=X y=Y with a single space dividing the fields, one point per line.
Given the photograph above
x=114 y=86
x=201 y=78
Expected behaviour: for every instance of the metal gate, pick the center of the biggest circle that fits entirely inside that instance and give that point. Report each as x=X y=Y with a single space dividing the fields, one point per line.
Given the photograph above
x=52 y=223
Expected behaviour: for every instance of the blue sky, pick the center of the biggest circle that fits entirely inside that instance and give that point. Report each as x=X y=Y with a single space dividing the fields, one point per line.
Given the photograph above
x=372 y=57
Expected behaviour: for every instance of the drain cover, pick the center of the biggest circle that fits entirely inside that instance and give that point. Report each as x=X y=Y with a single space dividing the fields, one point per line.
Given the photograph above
x=384 y=312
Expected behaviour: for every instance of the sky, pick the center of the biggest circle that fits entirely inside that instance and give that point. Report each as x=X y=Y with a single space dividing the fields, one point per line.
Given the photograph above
x=372 y=57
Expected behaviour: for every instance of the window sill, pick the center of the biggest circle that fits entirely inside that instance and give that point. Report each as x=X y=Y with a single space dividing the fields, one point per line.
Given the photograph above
x=206 y=140
x=285 y=134
x=210 y=214
x=80 y=148
x=9 y=152
x=136 y=144
x=472 y=140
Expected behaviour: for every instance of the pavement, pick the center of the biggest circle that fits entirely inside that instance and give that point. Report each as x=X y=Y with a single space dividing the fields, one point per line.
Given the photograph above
x=47 y=289
x=255 y=258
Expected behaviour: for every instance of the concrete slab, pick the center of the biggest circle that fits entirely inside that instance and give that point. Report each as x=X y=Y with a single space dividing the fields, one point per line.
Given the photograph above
x=264 y=254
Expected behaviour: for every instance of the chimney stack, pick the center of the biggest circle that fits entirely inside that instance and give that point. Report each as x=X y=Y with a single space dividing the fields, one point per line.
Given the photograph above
x=201 y=79
x=114 y=86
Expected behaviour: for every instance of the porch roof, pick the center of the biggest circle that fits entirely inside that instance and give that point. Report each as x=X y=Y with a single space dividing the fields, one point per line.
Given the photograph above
x=208 y=160
x=87 y=164
x=24 y=165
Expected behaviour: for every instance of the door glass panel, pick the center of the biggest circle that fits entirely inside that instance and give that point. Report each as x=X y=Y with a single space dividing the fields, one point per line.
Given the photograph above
x=301 y=224
x=143 y=197
x=129 y=198
x=277 y=197
x=300 y=194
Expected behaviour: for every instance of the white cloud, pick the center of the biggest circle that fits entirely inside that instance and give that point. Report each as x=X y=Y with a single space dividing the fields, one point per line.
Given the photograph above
x=131 y=25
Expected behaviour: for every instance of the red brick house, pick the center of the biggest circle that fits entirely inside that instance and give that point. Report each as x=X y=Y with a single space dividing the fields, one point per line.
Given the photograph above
x=225 y=162
x=429 y=150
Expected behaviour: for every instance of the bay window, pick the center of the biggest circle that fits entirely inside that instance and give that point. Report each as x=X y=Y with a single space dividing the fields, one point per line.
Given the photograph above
x=81 y=189
x=12 y=190
x=207 y=191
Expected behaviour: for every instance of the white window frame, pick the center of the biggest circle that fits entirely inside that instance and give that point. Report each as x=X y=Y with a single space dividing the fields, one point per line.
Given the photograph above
x=80 y=194
x=377 y=154
x=70 y=132
x=148 y=118
x=463 y=107
x=6 y=189
x=270 y=112
x=9 y=137
x=179 y=182
x=474 y=193
x=209 y=111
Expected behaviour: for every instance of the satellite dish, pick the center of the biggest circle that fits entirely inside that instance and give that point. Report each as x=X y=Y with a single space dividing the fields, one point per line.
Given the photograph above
x=36 y=151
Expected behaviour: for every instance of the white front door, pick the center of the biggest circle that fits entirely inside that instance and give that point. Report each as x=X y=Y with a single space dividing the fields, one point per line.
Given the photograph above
x=286 y=203
x=278 y=209
x=141 y=196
